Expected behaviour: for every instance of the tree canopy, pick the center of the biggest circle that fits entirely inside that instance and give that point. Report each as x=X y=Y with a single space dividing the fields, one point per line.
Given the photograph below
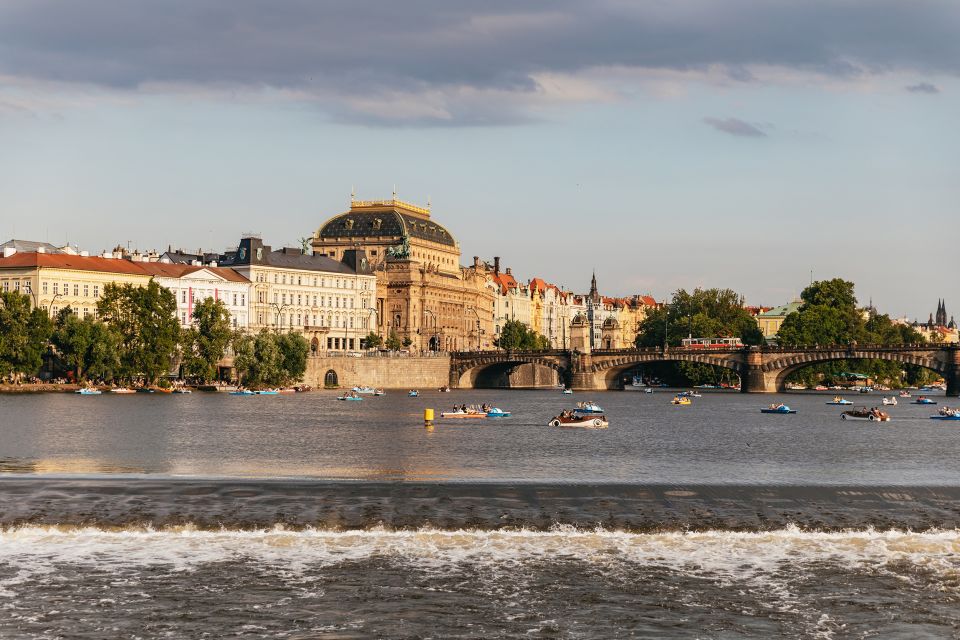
x=24 y=333
x=516 y=336
x=704 y=313
x=86 y=346
x=206 y=342
x=270 y=359
x=144 y=320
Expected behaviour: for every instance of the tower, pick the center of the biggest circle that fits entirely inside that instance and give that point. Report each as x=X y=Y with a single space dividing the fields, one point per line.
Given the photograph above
x=941 y=314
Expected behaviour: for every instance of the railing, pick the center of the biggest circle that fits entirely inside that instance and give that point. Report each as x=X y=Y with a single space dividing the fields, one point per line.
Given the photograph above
x=378 y=354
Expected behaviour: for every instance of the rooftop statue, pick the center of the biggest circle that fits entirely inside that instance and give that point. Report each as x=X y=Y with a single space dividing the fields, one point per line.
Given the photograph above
x=400 y=251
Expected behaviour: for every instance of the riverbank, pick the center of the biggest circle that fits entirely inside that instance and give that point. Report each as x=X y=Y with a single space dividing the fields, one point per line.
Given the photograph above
x=38 y=388
x=255 y=504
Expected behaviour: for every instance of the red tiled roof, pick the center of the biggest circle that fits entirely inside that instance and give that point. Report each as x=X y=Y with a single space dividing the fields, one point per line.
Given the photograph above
x=111 y=265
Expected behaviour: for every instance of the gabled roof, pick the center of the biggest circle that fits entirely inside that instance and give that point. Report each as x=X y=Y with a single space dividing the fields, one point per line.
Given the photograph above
x=29 y=246
x=783 y=310
x=112 y=265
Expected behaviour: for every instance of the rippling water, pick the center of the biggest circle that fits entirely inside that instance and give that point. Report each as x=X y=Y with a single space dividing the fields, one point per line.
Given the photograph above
x=721 y=438
x=214 y=516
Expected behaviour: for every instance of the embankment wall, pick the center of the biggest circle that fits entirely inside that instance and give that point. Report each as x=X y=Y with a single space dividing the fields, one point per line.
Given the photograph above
x=389 y=373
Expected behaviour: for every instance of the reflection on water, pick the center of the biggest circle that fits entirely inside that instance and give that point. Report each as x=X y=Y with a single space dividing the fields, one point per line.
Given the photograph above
x=721 y=438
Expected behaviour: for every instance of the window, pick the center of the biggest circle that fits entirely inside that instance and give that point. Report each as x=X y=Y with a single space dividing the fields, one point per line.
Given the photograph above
x=76 y=290
x=276 y=279
x=299 y=283
x=243 y=299
x=56 y=288
x=314 y=300
x=234 y=299
x=299 y=300
x=276 y=297
x=314 y=282
x=298 y=320
x=96 y=291
x=44 y=287
x=284 y=298
x=16 y=286
x=86 y=291
x=183 y=296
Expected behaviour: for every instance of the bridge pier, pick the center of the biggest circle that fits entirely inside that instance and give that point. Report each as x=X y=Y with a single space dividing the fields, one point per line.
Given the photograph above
x=952 y=375
x=753 y=379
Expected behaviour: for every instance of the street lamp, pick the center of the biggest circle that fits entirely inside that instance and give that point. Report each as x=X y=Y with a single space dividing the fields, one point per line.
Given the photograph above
x=55 y=296
x=279 y=309
x=376 y=325
x=666 y=322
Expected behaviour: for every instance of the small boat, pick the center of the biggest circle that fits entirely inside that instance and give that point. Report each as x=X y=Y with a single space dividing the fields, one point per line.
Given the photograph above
x=88 y=392
x=242 y=392
x=267 y=392
x=444 y=389
x=946 y=413
x=301 y=388
x=181 y=391
x=498 y=413
x=683 y=400
x=588 y=407
x=122 y=390
x=567 y=392
x=162 y=390
x=567 y=419
x=349 y=396
x=648 y=390
x=689 y=394
x=873 y=415
x=839 y=400
x=413 y=393
x=368 y=391
x=891 y=401
x=778 y=408
x=144 y=390
x=463 y=414
x=905 y=394
x=379 y=392
x=924 y=400
x=820 y=387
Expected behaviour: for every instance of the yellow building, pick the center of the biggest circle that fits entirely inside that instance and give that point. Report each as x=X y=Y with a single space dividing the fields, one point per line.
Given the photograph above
x=424 y=296
x=55 y=281
x=770 y=321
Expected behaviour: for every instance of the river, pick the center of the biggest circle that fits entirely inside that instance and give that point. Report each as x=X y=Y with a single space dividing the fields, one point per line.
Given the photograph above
x=299 y=516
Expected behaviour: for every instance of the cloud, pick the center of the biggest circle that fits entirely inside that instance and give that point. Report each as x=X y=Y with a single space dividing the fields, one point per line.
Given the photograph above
x=923 y=87
x=735 y=127
x=434 y=61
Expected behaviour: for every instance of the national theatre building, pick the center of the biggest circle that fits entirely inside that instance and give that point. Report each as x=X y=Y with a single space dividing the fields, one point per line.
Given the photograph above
x=423 y=294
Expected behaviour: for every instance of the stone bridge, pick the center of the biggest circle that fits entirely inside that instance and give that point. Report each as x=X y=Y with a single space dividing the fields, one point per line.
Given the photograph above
x=761 y=369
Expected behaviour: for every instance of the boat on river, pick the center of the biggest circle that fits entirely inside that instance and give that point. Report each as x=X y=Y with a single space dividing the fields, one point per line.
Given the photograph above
x=122 y=390
x=463 y=415
x=267 y=392
x=682 y=400
x=413 y=393
x=873 y=415
x=924 y=400
x=496 y=412
x=839 y=400
x=367 y=391
x=588 y=407
x=778 y=408
x=569 y=419
x=181 y=391
x=689 y=394
x=567 y=392
x=352 y=396
x=242 y=392
x=88 y=392
x=891 y=401
x=444 y=389
x=905 y=394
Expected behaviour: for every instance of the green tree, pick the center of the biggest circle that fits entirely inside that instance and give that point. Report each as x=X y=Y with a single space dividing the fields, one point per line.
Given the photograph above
x=24 y=333
x=145 y=322
x=704 y=313
x=393 y=342
x=373 y=340
x=87 y=346
x=516 y=336
x=205 y=343
x=294 y=350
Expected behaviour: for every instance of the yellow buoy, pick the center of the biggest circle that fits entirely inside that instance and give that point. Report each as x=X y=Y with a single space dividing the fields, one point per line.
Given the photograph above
x=428 y=418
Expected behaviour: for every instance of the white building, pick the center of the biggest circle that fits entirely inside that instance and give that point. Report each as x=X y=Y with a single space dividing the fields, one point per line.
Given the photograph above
x=190 y=284
x=332 y=302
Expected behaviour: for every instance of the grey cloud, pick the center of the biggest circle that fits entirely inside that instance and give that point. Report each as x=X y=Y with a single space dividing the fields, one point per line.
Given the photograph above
x=735 y=127
x=338 y=50
x=923 y=87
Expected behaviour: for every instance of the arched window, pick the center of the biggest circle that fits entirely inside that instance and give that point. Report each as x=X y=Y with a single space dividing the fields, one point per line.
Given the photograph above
x=330 y=379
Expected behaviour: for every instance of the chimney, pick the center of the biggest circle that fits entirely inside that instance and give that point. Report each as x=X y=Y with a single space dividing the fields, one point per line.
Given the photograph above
x=9 y=251
x=509 y=271
x=496 y=265
x=476 y=261
x=165 y=260
x=212 y=263
x=85 y=254
x=196 y=263
x=41 y=249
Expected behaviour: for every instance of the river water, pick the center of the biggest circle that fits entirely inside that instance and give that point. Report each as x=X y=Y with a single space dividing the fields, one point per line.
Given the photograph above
x=299 y=516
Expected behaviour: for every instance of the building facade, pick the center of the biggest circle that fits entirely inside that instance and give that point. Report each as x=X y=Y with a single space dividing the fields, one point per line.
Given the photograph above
x=424 y=296
x=329 y=300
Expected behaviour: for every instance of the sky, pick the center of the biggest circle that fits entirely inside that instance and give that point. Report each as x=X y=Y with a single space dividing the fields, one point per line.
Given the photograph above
x=662 y=144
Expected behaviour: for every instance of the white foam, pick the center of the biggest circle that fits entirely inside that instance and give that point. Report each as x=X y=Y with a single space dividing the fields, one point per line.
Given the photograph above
x=730 y=554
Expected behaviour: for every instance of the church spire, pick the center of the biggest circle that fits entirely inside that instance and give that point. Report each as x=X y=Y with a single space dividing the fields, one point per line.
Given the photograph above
x=594 y=294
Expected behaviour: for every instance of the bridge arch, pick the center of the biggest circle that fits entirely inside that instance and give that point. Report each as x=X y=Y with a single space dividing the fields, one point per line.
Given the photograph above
x=781 y=368
x=607 y=370
x=486 y=369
